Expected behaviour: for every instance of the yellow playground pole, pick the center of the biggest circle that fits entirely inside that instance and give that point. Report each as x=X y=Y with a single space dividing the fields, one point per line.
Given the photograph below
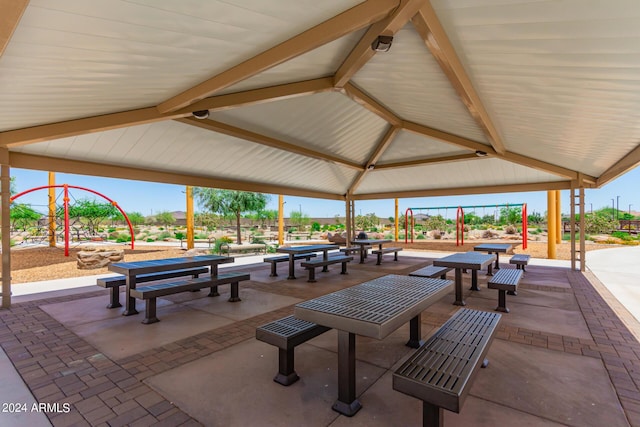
x=280 y=220
x=190 y=239
x=551 y=224
x=559 y=227
x=52 y=210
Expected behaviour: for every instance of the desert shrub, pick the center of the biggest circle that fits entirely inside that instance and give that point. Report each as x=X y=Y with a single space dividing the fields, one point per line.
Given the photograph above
x=420 y=237
x=488 y=234
x=510 y=229
x=436 y=234
x=164 y=235
x=222 y=240
x=150 y=240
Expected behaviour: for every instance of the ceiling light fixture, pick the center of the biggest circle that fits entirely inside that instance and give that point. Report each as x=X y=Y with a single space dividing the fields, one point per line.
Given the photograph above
x=201 y=114
x=382 y=43
x=481 y=153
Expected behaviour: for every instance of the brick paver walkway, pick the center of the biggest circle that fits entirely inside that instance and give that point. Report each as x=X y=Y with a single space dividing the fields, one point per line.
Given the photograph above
x=59 y=367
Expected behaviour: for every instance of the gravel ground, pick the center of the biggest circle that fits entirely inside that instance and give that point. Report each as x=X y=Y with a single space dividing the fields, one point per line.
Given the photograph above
x=44 y=263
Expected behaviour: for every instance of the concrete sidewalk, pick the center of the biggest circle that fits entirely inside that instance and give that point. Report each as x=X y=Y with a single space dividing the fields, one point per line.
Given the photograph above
x=562 y=356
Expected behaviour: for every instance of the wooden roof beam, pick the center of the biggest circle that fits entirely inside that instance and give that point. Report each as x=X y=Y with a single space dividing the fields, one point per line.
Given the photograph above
x=237 y=132
x=513 y=188
x=261 y=95
x=12 y=11
x=622 y=166
x=377 y=152
x=351 y=20
x=363 y=52
x=429 y=160
x=29 y=161
x=371 y=104
x=76 y=127
x=430 y=29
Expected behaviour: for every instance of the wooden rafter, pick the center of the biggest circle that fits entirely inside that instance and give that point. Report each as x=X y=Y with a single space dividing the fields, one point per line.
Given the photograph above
x=377 y=152
x=427 y=161
x=513 y=188
x=29 y=161
x=83 y=126
x=362 y=52
x=268 y=141
x=430 y=29
x=357 y=17
x=258 y=96
x=371 y=104
x=624 y=165
x=12 y=11
x=477 y=146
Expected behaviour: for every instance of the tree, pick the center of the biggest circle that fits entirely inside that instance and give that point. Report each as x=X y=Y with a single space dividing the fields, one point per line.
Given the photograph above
x=299 y=218
x=165 y=218
x=91 y=212
x=206 y=219
x=23 y=216
x=367 y=222
x=230 y=202
x=136 y=218
x=510 y=215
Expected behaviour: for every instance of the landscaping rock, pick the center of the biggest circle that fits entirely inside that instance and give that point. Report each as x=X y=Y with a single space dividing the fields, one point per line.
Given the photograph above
x=91 y=257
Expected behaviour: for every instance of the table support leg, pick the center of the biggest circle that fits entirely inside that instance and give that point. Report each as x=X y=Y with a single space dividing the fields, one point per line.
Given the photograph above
x=459 y=300
x=497 y=266
x=474 y=280
x=415 y=332
x=363 y=251
x=347 y=404
x=292 y=275
x=130 y=307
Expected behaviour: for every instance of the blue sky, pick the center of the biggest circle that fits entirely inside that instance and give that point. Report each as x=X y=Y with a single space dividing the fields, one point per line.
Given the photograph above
x=149 y=198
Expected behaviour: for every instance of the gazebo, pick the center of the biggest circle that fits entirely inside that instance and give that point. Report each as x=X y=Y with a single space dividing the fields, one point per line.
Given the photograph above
x=339 y=99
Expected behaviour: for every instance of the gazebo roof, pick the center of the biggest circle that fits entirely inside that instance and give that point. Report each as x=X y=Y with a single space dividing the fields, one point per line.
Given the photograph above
x=474 y=96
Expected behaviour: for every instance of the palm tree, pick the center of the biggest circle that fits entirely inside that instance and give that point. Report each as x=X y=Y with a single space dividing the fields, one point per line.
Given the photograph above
x=230 y=202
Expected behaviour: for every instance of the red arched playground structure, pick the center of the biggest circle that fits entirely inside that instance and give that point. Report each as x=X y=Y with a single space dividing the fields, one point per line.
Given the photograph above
x=66 y=188
x=460 y=221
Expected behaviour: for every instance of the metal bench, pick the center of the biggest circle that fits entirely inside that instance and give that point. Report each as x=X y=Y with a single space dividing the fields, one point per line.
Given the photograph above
x=286 y=334
x=312 y=264
x=253 y=247
x=114 y=282
x=149 y=293
x=505 y=281
x=432 y=272
x=383 y=251
x=285 y=258
x=441 y=371
x=520 y=260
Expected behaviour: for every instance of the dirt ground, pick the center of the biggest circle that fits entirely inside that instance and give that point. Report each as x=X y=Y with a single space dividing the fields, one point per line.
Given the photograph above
x=44 y=263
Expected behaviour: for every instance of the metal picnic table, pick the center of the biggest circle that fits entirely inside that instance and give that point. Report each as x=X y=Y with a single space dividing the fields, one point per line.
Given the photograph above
x=464 y=260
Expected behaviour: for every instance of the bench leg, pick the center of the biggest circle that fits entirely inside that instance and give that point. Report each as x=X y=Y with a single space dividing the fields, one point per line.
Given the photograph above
x=114 y=300
x=286 y=372
x=195 y=276
x=344 y=268
x=395 y=256
x=312 y=274
x=213 y=292
x=150 y=312
x=235 y=297
x=379 y=259
x=273 y=270
x=444 y=276
x=502 y=301
x=432 y=415
x=512 y=293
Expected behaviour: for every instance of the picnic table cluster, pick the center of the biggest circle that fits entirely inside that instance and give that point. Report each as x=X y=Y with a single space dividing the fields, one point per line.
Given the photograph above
x=441 y=370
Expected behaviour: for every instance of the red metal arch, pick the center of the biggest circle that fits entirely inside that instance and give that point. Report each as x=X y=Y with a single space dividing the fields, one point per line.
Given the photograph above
x=66 y=208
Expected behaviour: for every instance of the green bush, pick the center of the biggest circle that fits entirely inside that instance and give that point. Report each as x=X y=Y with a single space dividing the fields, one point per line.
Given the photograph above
x=164 y=235
x=622 y=236
x=222 y=240
x=420 y=237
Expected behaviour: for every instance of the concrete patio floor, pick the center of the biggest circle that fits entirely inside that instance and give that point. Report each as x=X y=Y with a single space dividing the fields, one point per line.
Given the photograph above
x=566 y=354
